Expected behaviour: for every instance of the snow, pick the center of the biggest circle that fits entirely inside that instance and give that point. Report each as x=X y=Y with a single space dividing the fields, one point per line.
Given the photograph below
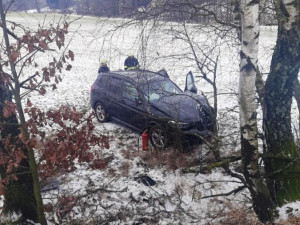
x=287 y=210
x=115 y=194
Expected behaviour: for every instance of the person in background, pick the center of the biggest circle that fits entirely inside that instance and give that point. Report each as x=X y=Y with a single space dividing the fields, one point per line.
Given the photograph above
x=103 y=66
x=131 y=63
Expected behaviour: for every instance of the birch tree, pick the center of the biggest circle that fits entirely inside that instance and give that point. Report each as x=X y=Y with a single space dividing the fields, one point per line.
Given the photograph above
x=284 y=164
x=262 y=202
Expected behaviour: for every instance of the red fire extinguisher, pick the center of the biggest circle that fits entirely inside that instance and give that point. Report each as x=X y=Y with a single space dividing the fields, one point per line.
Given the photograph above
x=145 y=141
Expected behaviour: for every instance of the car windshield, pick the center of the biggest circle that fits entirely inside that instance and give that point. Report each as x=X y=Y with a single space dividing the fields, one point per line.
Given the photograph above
x=156 y=89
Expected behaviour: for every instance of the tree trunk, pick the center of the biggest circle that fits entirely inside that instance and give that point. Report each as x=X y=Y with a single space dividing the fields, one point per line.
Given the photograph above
x=260 y=89
x=18 y=196
x=262 y=202
x=283 y=168
x=17 y=98
x=37 y=5
x=297 y=97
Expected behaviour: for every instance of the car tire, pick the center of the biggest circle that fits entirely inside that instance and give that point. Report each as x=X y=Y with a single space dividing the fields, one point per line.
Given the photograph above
x=158 y=137
x=101 y=113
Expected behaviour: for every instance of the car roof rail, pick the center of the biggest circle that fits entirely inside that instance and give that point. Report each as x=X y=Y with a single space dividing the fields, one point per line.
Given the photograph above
x=125 y=73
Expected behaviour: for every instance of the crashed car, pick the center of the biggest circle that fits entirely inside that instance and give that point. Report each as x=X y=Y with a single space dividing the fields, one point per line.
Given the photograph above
x=149 y=101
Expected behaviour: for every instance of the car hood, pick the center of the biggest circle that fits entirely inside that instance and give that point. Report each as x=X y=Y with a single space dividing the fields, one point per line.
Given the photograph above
x=180 y=107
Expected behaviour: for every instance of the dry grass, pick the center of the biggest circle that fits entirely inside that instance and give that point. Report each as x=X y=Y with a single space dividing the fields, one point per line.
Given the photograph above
x=172 y=159
x=130 y=153
x=112 y=172
x=239 y=216
x=124 y=168
x=292 y=220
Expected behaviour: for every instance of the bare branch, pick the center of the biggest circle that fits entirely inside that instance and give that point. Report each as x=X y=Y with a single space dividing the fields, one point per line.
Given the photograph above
x=235 y=191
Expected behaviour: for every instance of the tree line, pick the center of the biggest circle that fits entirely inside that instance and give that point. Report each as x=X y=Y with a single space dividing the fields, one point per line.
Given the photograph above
x=176 y=10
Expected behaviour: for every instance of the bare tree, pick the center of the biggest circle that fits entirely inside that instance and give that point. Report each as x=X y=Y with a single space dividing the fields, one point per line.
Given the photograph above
x=37 y=5
x=108 y=8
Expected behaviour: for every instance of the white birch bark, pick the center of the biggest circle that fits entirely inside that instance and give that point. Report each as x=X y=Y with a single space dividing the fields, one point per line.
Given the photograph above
x=262 y=202
x=248 y=65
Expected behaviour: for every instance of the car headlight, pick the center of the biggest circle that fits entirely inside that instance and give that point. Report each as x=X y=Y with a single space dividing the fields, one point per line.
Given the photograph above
x=176 y=124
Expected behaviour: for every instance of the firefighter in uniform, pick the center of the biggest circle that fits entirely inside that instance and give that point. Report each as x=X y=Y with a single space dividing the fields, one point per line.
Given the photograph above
x=131 y=63
x=103 y=66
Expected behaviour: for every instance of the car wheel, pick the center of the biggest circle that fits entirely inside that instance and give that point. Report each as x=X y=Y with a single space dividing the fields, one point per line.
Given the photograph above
x=101 y=113
x=158 y=137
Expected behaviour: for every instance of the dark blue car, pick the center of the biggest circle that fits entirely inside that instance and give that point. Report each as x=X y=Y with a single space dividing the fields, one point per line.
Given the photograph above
x=144 y=100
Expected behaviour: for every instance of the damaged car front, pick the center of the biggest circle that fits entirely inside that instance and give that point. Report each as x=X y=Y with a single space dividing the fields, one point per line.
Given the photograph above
x=181 y=113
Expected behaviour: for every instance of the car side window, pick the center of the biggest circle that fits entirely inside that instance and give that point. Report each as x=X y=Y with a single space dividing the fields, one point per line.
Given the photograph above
x=103 y=80
x=130 y=91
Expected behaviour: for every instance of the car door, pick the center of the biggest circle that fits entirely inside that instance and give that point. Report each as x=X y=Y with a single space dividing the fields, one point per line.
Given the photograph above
x=190 y=83
x=114 y=97
x=134 y=110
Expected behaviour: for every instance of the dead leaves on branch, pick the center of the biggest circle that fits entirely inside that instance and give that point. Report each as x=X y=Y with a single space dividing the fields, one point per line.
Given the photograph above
x=11 y=156
x=23 y=53
x=14 y=55
x=41 y=39
x=9 y=109
x=71 y=138
x=71 y=55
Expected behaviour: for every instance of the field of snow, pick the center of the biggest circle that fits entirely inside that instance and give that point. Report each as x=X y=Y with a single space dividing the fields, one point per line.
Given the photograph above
x=116 y=194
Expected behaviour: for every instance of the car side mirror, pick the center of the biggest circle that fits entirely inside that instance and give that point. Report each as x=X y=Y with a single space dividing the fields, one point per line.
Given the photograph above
x=193 y=89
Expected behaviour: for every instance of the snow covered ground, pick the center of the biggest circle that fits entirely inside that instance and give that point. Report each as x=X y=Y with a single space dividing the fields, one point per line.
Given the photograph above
x=117 y=194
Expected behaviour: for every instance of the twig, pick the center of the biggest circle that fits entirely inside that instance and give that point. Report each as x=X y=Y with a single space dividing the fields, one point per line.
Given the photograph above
x=235 y=191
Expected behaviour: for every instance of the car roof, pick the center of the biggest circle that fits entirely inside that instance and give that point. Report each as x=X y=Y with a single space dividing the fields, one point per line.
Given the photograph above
x=137 y=75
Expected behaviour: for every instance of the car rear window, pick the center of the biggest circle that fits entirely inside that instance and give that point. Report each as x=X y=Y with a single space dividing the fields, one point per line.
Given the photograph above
x=103 y=80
